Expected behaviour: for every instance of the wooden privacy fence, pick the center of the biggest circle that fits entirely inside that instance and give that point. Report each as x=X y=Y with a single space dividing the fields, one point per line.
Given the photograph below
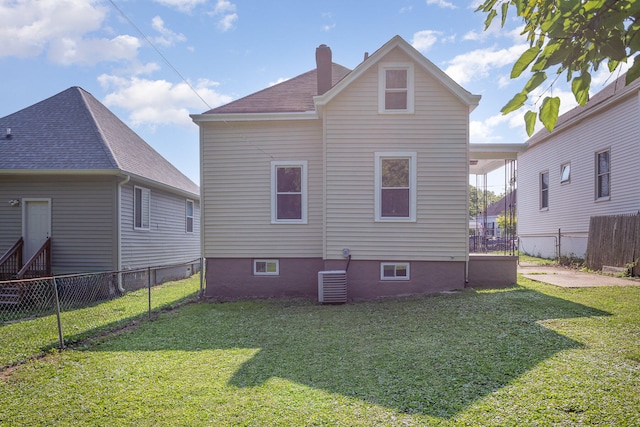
x=614 y=240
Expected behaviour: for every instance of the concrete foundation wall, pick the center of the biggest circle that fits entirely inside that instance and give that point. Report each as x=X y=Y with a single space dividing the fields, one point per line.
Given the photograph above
x=233 y=278
x=492 y=271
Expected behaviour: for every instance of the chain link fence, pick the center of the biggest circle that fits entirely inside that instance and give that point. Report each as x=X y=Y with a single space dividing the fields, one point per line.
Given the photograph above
x=37 y=315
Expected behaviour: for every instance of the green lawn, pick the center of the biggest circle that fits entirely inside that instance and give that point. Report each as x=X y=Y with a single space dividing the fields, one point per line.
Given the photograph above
x=528 y=355
x=24 y=339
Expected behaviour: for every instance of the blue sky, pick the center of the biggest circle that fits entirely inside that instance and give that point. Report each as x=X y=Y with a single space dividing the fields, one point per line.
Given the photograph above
x=226 y=49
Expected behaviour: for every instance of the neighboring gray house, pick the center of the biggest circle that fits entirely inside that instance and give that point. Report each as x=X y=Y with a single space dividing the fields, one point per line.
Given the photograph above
x=588 y=166
x=365 y=169
x=72 y=171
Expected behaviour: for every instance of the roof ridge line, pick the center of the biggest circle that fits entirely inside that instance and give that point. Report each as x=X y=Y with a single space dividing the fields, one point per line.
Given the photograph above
x=103 y=139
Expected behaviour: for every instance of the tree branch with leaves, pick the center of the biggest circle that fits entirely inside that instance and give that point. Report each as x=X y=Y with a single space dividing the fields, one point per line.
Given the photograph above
x=569 y=36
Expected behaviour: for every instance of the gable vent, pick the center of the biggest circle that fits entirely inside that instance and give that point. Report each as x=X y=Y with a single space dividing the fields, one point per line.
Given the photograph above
x=332 y=287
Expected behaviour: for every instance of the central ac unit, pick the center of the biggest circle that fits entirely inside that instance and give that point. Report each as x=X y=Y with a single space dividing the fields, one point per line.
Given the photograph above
x=332 y=287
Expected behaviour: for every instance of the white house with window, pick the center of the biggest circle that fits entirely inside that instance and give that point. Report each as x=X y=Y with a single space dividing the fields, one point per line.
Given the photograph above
x=588 y=166
x=365 y=169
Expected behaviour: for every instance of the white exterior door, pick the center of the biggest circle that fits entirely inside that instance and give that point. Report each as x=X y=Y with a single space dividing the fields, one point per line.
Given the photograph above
x=36 y=225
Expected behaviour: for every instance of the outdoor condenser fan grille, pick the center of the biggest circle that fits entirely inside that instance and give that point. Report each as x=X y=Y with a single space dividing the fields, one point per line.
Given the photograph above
x=332 y=287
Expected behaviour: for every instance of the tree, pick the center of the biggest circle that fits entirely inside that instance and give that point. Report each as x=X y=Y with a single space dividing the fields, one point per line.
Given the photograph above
x=477 y=199
x=573 y=37
x=507 y=223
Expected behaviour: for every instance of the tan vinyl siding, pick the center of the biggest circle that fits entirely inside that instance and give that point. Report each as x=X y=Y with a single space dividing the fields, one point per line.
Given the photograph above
x=437 y=132
x=83 y=219
x=572 y=204
x=167 y=241
x=236 y=163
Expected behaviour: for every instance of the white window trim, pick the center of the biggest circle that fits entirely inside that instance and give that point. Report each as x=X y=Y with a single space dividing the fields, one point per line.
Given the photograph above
x=382 y=68
x=543 y=208
x=187 y=216
x=562 y=169
x=597 y=175
x=148 y=212
x=412 y=156
x=266 y=273
x=395 y=264
x=274 y=200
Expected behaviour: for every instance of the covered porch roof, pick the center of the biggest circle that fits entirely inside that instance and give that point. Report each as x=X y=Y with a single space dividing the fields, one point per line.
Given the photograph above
x=485 y=158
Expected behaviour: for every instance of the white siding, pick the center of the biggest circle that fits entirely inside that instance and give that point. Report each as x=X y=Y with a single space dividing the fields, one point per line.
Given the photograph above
x=437 y=132
x=167 y=241
x=572 y=204
x=82 y=219
x=236 y=161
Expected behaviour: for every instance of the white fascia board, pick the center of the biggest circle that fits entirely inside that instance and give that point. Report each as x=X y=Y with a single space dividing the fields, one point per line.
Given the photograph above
x=251 y=117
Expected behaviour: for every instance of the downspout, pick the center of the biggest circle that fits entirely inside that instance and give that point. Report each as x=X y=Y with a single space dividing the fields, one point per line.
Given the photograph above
x=119 y=237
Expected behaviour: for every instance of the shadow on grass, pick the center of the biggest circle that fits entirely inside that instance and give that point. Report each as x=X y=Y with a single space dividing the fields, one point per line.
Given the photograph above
x=431 y=355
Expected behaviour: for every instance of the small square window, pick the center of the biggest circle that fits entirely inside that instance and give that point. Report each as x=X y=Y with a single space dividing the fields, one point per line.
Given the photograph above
x=565 y=173
x=266 y=267
x=394 y=271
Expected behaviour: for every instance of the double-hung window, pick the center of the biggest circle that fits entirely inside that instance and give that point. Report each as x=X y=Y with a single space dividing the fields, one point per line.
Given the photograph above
x=395 y=91
x=289 y=192
x=544 y=190
x=141 y=208
x=603 y=174
x=189 y=216
x=395 y=186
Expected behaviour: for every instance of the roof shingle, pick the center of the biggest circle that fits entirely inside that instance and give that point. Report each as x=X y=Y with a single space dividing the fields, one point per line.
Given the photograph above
x=74 y=131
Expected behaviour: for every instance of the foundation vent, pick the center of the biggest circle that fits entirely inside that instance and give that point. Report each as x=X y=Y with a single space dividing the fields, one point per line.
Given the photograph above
x=332 y=287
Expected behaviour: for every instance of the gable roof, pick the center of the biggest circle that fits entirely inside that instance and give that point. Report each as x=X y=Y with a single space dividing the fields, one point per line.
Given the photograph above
x=73 y=132
x=398 y=42
x=612 y=93
x=299 y=94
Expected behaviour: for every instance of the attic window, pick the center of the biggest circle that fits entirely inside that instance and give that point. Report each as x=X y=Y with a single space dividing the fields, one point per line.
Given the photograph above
x=395 y=92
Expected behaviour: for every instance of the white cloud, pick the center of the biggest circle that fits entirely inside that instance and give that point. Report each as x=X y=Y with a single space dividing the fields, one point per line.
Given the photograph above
x=442 y=3
x=280 y=80
x=406 y=9
x=423 y=40
x=29 y=27
x=479 y=63
x=69 y=51
x=182 y=5
x=159 y=102
x=511 y=127
x=167 y=37
x=225 y=12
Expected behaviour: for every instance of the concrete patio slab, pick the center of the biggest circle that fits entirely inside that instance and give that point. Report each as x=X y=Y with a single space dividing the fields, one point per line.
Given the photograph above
x=571 y=278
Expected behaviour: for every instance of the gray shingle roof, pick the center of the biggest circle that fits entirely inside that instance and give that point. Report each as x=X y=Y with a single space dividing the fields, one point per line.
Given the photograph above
x=291 y=96
x=74 y=131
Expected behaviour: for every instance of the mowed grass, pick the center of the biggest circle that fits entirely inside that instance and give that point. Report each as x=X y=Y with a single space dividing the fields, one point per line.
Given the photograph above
x=528 y=355
x=24 y=339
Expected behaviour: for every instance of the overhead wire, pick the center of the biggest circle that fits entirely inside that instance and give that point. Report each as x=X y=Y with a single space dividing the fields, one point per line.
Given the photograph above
x=164 y=58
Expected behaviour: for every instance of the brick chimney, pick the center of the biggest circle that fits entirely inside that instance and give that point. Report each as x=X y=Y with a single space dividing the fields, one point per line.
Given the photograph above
x=323 y=62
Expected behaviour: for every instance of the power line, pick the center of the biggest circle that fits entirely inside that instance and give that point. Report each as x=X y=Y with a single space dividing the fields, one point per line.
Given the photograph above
x=158 y=52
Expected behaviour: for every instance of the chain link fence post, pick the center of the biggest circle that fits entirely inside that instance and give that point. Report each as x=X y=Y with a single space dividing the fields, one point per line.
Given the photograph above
x=56 y=301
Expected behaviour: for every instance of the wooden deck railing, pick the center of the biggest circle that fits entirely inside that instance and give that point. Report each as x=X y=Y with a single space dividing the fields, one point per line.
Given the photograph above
x=11 y=261
x=39 y=265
